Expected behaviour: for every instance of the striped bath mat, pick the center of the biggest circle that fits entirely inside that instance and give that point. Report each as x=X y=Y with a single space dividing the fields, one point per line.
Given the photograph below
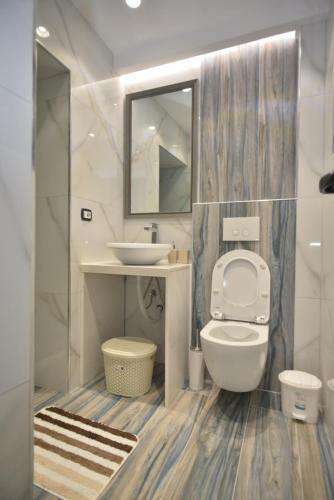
x=75 y=457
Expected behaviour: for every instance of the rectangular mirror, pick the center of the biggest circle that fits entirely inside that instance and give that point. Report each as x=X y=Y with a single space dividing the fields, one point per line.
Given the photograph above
x=160 y=150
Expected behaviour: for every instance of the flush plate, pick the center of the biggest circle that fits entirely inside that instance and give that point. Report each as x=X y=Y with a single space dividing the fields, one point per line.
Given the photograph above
x=241 y=229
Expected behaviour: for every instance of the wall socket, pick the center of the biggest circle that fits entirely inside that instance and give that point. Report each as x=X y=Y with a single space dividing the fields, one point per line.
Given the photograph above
x=86 y=214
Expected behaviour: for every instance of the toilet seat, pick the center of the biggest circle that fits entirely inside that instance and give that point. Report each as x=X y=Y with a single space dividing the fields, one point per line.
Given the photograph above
x=241 y=288
x=235 y=333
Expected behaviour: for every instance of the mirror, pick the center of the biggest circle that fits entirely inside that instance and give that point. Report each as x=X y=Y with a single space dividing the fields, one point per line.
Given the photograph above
x=160 y=150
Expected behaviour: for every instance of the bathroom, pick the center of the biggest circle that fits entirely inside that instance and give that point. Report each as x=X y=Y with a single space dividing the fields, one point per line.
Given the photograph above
x=247 y=88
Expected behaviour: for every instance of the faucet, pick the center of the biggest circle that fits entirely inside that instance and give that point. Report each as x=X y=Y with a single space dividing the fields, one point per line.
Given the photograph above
x=153 y=228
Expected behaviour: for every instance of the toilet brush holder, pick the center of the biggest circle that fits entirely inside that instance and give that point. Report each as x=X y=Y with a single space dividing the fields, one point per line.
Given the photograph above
x=196 y=366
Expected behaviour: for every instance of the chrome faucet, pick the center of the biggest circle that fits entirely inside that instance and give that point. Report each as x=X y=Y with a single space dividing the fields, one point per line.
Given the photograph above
x=153 y=228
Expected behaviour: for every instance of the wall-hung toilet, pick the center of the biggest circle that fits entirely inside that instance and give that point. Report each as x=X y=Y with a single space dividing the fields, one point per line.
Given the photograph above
x=235 y=341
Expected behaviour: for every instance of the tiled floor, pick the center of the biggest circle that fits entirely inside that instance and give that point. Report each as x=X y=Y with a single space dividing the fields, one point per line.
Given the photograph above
x=209 y=445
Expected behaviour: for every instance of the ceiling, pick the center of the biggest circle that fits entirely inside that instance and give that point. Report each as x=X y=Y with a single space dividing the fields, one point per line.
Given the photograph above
x=161 y=31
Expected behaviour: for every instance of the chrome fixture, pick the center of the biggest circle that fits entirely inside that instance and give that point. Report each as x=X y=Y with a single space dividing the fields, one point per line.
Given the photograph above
x=153 y=228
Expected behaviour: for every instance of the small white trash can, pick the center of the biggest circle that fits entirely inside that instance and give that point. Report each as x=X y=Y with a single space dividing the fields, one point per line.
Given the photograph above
x=128 y=364
x=300 y=395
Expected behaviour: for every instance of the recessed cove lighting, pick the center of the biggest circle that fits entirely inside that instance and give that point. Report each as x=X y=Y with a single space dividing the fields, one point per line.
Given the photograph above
x=134 y=4
x=186 y=90
x=42 y=32
x=151 y=127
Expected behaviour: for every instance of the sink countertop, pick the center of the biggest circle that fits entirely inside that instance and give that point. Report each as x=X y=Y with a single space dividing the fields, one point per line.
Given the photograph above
x=116 y=268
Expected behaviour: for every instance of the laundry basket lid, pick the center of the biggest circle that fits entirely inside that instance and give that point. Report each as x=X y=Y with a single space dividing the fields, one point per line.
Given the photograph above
x=129 y=346
x=302 y=380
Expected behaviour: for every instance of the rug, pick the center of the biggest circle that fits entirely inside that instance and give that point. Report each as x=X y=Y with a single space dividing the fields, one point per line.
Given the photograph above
x=75 y=457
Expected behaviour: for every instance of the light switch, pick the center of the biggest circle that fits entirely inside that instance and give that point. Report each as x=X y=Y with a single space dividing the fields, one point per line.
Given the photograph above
x=241 y=229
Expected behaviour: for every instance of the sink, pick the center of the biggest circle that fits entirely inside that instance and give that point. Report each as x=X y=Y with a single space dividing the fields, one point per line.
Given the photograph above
x=140 y=253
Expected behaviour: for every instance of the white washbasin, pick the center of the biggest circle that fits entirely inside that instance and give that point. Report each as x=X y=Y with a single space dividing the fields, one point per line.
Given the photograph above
x=140 y=253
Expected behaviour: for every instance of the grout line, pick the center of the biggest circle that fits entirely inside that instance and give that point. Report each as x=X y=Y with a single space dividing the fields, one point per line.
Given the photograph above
x=242 y=445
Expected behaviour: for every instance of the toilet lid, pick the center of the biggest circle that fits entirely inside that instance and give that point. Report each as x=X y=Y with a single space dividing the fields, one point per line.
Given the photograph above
x=241 y=287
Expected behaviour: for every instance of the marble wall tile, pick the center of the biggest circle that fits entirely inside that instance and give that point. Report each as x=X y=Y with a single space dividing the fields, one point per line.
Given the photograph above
x=75 y=344
x=327 y=340
x=105 y=226
x=97 y=151
x=276 y=246
x=308 y=248
x=307 y=335
x=52 y=143
x=328 y=247
x=16 y=52
x=248 y=122
x=176 y=229
x=16 y=443
x=136 y=325
x=16 y=191
x=51 y=340
x=73 y=41
x=310 y=145
x=103 y=318
x=52 y=244
x=313 y=59
x=16 y=249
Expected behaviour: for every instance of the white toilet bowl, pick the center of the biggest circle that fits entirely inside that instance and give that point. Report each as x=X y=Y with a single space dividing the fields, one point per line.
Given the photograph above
x=235 y=353
x=235 y=341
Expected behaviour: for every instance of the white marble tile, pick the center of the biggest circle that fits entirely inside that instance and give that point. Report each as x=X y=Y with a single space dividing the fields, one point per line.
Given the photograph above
x=307 y=335
x=16 y=443
x=73 y=42
x=97 y=168
x=311 y=145
x=136 y=325
x=103 y=318
x=16 y=128
x=328 y=246
x=52 y=145
x=313 y=64
x=51 y=340
x=17 y=70
x=52 y=245
x=308 y=248
x=16 y=273
x=76 y=310
x=176 y=229
x=327 y=339
x=106 y=224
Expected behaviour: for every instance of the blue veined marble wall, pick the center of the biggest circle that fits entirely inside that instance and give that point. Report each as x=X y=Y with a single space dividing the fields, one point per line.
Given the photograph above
x=248 y=122
x=277 y=246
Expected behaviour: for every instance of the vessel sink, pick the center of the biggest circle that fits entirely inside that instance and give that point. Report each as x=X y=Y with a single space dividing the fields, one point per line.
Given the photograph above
x=140 y=253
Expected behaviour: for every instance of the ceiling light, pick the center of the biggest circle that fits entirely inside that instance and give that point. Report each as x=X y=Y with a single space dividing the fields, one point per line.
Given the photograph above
x=91 y=134
x=133 y=3
x=151 y=127
x=186 y=90
x=42 y=32
x=315 y=244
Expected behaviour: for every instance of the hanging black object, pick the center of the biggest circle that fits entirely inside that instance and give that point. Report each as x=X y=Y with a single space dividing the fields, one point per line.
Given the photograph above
x=326 y=184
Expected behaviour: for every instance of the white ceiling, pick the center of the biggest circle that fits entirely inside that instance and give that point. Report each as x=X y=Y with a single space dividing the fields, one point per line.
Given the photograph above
x=165 y=30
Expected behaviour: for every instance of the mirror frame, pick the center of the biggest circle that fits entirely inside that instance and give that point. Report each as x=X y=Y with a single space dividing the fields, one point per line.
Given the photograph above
x=193 y=84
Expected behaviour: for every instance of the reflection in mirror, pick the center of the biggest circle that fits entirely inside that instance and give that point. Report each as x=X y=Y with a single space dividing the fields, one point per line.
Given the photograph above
x=160 y=144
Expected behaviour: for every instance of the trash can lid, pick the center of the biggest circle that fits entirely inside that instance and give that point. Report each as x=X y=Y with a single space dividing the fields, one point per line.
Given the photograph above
x=129 y=346
x=302 y=380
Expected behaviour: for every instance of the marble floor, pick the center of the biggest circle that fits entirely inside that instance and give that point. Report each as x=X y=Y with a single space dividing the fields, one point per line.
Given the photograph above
x=209 y=445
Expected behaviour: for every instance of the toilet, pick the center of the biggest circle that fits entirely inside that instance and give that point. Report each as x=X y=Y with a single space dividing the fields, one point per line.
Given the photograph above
x=235 y=341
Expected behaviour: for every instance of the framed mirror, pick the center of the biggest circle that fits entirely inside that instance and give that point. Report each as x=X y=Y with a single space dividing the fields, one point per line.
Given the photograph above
x=161 y=150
